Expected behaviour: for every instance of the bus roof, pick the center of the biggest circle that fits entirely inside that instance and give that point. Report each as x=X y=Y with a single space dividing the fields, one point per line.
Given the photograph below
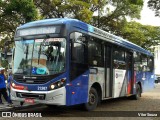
x=88 y=29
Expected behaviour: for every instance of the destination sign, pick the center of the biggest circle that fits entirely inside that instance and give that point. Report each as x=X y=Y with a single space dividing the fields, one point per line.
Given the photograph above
x=38 y=30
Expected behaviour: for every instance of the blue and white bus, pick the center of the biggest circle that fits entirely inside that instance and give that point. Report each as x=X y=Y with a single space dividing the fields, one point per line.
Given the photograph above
x=68 y=62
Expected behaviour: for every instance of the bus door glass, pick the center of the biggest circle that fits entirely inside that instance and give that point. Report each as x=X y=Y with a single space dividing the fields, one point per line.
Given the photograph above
x=108 y=72
x=119 y=73
x=129 y=73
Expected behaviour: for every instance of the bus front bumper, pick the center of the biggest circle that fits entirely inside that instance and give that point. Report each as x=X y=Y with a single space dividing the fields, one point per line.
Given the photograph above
x=54 y=97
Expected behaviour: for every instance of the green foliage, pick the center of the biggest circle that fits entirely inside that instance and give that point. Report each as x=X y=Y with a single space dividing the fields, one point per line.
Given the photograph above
x=117 y=11
x=12 y=14
x=114 y=19
x=143 y=35
x=22 y=10
x=79 y=9
x=4 y=64
x=155 y=6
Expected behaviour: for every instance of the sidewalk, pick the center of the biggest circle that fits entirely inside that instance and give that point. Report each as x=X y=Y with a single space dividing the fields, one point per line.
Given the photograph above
x=5 y=106
x=16 y=105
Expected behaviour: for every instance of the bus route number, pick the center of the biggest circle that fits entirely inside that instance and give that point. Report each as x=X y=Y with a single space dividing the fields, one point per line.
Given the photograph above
x=42 y=88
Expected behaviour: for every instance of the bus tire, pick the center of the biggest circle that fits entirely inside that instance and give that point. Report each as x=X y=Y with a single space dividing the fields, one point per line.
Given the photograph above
x=138 y=92
x=92 y=100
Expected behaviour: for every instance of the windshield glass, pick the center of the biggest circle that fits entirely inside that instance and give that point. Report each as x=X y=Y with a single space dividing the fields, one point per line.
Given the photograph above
x=40 y=56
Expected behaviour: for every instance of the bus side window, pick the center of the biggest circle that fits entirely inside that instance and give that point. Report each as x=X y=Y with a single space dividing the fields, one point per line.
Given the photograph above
x=144 y=63
x=119 y=59
x=95 y=55
x=77 y=53
x=150 y=64
x=128 y=59
x=78 y=43
x=137 y=61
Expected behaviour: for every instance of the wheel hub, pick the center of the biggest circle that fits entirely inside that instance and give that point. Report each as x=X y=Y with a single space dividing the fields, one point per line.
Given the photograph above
x=92 y=99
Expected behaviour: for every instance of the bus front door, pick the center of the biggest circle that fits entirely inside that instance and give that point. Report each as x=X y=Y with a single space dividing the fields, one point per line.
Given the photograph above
x=108 y=83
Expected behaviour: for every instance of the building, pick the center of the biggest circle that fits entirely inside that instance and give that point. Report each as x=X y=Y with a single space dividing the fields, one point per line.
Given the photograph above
x=157 y=59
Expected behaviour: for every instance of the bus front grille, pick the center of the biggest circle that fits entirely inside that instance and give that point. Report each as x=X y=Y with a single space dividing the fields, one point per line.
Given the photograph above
x=31 y=95
x=32 y=80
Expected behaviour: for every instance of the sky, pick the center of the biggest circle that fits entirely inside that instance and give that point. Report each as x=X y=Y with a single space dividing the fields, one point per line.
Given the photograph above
x=148 y=16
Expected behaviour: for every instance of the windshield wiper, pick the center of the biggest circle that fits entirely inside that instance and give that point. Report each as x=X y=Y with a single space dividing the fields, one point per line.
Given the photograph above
x=26 y=48
x=26 y=52
x=39 y=53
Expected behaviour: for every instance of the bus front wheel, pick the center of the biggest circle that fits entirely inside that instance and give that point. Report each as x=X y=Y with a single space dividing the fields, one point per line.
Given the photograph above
x=92 y=101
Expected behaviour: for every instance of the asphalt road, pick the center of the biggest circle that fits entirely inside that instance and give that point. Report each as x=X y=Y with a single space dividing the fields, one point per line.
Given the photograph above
x=146 y=108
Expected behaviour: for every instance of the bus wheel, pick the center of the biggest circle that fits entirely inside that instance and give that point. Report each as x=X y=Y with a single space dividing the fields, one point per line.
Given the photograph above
x=138 y=92
x=93 y=100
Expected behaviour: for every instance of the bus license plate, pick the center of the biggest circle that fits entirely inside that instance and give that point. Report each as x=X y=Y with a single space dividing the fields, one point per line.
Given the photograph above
x=28 y=100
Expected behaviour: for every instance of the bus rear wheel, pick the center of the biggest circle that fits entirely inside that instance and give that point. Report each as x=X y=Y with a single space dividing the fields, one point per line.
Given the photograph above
x=138 y=92
x=93 y=100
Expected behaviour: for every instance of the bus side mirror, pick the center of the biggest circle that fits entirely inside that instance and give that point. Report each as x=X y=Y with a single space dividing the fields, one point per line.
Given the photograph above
x=78 y=37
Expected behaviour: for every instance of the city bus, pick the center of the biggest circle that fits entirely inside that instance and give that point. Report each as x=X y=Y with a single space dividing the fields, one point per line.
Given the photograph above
x=68 y=62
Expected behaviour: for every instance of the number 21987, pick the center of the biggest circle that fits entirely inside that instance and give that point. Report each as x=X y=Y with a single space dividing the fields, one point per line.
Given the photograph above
x=42 y=88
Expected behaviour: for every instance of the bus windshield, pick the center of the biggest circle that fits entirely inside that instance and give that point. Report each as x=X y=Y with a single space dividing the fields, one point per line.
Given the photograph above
x=40 y=56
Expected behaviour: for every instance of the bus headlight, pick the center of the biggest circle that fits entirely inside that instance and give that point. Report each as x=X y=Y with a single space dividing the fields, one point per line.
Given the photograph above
x=18 y=87
x=13 y=85
x=57 y=84
x=52 y=86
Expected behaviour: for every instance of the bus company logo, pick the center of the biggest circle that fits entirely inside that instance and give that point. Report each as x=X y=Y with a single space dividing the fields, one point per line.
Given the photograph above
x=6 y=114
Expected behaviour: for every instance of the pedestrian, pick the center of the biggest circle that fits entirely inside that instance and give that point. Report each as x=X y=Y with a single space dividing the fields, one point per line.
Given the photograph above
x=9 y=82
x=3 y=90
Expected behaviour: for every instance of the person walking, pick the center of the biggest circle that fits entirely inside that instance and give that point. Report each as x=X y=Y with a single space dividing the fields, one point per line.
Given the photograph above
x=3 y=90
x=9 y=82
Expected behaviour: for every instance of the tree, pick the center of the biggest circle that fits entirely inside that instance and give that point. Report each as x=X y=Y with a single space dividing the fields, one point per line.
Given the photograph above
x=143 y=35
x=155 y=6
x=12 y=14
x=116 y=13
x=115 y=21
x=79 y=9
x=112 y=17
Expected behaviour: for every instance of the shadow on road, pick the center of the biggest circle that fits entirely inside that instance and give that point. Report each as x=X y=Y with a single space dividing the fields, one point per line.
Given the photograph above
x=71 y=111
